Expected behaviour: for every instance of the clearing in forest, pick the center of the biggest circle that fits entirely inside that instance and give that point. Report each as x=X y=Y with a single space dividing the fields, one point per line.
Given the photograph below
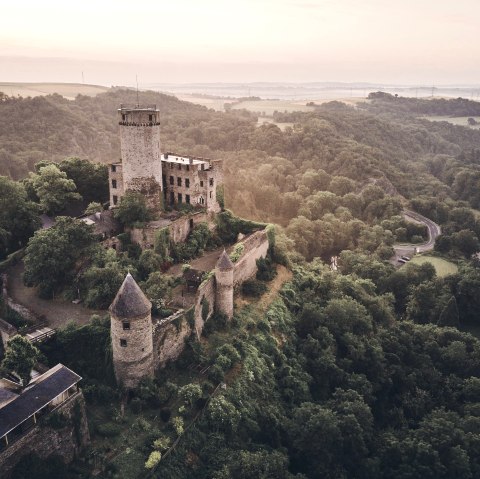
x=442 y=266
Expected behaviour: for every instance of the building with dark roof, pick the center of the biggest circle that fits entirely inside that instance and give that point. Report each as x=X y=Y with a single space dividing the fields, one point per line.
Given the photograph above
x=24 y=418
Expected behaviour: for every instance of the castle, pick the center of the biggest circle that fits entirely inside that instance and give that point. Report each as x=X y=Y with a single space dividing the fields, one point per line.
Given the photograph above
x=140 y=344
x=164 y=179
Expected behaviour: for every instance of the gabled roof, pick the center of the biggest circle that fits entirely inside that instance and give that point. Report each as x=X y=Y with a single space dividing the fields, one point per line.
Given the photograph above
x=130 y=301
x=46 y=388
x=224 y=263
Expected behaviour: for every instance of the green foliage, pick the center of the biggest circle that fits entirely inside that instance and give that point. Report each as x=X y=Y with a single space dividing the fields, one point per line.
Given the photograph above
x=449 y=315
x=229 y=226
x=162 y=243
x=178 y=426
x=132 y=210
x=194 y=245
x=266 y=270
x=153 y=459
x=85 y=349
x=93 y=208
x=158 y=287
x=91 y=179
x=254 y=287
x=190 y=393
x=220 y=196
x=19 y=217
x=53 y=254
x=53 y=189
x=20 y=358
x=237 y=252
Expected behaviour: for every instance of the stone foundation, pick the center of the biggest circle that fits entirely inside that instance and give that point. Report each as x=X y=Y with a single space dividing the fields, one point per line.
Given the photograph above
x=45 y=441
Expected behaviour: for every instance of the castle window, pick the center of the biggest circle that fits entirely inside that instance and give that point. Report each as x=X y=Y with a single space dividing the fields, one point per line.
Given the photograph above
x=124 y=117
x=188 y=167
x=201 y=184
x=150 y=117
x=211 y=181
x=172 y=197
x=115 y=199
x=114 y=183
x=126 y=325
x=114 y=168
x=179 y=182
x=187 y=199
x=171 y=166
x=203 y=166
x=172 y=180
x=179 y=197
x=123 y=343
x=179 y=166
x=187 y=183
x=211 y=194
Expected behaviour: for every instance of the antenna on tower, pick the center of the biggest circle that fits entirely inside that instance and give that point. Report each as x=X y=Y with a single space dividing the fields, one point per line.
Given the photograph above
x=138 y=102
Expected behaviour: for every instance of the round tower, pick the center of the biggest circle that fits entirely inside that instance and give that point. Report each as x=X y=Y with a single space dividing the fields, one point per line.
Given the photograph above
x=131 y=334
x=140 y=151
x=224 y=285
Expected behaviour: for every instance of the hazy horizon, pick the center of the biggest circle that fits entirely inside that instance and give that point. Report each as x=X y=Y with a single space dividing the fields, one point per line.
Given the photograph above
x=109 y=43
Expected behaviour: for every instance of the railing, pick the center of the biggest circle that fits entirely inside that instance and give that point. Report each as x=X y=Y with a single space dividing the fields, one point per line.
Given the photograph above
x=130 y=106
x=129 y=123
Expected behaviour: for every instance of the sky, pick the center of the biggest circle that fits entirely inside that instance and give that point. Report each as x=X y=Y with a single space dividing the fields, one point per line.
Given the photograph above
x=188 y=41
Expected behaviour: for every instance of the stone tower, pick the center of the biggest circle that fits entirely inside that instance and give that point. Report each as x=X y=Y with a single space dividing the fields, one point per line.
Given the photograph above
x=131 y=334
x=140 y=151
x=224 y=285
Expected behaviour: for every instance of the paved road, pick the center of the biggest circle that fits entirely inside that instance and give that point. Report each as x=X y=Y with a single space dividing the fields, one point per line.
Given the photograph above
x=434 y=231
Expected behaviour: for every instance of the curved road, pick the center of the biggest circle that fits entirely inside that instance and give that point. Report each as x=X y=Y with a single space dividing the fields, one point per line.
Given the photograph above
x=434 y=231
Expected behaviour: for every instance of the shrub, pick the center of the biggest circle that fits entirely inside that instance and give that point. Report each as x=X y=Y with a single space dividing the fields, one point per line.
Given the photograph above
x=165 y=414
x=223 y=362
x=237 y=252
x=178 y=425
x=108 y=429
x=153 y=459
x=190 y=393
x=266 y=270
x=253 y=287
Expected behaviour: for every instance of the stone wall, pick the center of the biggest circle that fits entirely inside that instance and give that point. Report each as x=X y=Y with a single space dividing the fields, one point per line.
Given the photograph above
x=169 y=337
x=6 y=332
x=140 y=151
x=46 y=441
x=206 y=291
x=255 y=247
x=133 y=361
x=179 y=229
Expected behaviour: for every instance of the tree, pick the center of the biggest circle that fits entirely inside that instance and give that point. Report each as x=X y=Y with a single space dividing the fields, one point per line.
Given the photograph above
x=19 y=217
x=132 y=209
x=449 y=315
x=93 y=208
x=90 y=178
x=53 y=255
x=20 y=358
x=53 y=189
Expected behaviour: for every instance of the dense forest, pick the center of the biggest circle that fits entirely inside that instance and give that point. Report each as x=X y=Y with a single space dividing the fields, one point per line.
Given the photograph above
x=364 y=372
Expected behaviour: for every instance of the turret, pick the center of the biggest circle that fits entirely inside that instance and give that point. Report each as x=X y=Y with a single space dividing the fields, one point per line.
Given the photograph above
x=141 y=166
x=131 y=334
x=224 y=285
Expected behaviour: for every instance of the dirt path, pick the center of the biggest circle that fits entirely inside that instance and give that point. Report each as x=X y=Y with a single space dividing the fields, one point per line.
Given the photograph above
x=57 y=313
x=283 y=275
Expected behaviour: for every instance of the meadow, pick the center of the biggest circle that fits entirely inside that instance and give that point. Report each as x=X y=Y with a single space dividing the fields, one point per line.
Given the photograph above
x=442 y=266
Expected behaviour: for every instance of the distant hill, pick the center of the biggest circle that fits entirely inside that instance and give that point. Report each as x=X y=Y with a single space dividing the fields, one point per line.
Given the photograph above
x=67 y=90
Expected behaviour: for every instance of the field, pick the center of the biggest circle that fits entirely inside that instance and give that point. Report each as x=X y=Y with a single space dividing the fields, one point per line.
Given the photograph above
x=442 y=267
x=68 y=90
x=459 y=120
x=262 y=107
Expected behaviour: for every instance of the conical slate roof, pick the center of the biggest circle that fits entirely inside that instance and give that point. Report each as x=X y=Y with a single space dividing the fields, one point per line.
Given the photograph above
x=130 y=302
x=224 y=262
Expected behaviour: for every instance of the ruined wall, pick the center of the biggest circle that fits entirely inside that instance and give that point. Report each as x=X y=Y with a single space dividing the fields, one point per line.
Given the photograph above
x=115 y=181
x=45 y=441
x=256 y=247
x=179 y=229
x=169 y=337
x=206 y=291
x=6 y=332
